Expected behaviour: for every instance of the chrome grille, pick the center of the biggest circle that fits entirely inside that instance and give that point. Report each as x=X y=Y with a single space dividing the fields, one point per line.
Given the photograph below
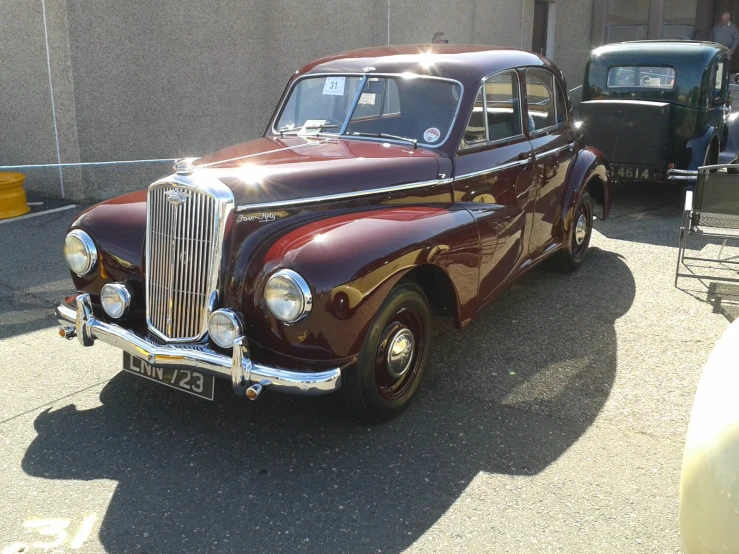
x=183 y=251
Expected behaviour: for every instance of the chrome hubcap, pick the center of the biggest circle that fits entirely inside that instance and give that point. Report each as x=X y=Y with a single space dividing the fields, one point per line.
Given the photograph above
x=581 y=229
x=400 y=353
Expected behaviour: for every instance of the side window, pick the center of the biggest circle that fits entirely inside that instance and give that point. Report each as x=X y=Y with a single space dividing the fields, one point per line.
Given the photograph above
x=474 y=135
x=539 y=89
x=562 y=115
x=503 y=106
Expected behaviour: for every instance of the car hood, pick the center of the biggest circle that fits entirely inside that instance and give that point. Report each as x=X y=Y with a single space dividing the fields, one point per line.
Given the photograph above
x=293 y=168
x=259 y=171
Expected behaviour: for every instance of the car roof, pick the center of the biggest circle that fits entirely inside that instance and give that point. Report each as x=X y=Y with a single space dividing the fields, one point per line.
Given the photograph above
x=465 y=63
x=660 y=51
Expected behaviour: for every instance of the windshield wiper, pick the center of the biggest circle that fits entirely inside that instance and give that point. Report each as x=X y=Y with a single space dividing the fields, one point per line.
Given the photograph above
x=414 y=142
x=295 y=130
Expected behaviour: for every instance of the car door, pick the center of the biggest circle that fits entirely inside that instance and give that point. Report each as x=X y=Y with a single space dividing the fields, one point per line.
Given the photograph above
x=494 y=176
x=553 y=141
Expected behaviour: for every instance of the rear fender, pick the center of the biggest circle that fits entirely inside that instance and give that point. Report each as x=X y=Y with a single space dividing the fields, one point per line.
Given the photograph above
x=590 y=165
x=351 y=262
x=698 y=146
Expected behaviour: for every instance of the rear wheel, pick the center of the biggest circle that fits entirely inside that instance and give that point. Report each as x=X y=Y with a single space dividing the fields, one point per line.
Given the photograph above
x=393 y=358
x=578 y=238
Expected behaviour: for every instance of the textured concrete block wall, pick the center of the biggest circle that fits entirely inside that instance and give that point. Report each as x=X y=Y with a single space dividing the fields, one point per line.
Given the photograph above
x=172 y=78
x=573 y=40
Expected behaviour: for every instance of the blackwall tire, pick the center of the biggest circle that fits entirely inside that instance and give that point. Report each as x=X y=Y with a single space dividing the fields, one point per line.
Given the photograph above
x=578 y=238
x=393 y=359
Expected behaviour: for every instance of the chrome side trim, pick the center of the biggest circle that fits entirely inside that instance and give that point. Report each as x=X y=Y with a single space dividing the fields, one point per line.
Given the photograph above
x=341 y=195
x=238 y=367
x=493 y=169
x=568 y=146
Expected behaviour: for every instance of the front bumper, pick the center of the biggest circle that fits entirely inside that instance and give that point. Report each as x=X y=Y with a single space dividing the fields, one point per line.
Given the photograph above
x=245 y=375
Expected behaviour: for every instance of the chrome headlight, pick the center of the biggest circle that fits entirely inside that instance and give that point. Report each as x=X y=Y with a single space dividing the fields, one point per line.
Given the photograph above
x=80 y=252
x=288 y=296
x=115 y=299
x=224 y=328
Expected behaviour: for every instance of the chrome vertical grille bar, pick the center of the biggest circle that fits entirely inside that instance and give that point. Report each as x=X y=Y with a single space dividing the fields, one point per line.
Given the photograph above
x=185 y=228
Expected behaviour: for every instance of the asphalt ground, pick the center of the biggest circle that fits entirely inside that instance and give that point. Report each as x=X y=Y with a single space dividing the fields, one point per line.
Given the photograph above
x=553 y=423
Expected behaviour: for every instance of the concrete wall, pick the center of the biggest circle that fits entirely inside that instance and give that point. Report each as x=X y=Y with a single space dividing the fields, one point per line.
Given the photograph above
x=171 y=78
x=573 y=40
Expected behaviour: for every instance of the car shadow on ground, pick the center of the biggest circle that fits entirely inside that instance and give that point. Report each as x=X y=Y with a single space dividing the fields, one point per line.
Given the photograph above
x=509 y=394
x=657 y=205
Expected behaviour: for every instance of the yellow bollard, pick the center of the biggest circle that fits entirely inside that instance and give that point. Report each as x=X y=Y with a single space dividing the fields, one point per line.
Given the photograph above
x=12 y=196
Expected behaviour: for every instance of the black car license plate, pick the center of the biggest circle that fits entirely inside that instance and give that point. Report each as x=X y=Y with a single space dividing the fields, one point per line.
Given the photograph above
x=185 y=380
x=632 y=173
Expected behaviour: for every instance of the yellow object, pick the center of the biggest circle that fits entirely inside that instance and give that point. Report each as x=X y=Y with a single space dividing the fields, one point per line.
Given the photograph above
x=12 y=196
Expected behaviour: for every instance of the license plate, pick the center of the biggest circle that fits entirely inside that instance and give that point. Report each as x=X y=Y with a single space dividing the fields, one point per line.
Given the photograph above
x=185 y=380
x=632 y=173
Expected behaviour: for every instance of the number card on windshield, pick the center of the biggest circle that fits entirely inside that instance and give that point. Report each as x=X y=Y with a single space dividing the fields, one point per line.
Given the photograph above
x=334 y=86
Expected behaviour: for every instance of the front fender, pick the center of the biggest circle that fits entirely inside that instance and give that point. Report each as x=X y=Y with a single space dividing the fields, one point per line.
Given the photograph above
x=351 y=262
x=697 y=147
x=590 y=163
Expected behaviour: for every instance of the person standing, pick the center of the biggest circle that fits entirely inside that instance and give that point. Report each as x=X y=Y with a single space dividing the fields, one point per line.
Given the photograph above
x=725 y=32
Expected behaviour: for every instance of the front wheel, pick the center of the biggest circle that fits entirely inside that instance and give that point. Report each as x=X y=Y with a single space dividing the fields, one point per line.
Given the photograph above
x=393 y=358
x=578 y=238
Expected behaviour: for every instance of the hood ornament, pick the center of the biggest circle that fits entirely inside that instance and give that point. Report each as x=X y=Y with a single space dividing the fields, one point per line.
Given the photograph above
x=184 y=166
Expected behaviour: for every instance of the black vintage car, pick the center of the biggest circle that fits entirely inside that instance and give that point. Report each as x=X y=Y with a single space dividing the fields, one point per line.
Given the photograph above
x=657 y=109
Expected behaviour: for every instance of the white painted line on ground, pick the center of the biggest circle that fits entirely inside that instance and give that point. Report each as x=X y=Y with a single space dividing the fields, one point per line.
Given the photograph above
x=28 y=216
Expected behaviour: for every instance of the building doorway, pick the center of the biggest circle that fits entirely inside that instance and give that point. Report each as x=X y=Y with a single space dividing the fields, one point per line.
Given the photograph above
x=545 y=19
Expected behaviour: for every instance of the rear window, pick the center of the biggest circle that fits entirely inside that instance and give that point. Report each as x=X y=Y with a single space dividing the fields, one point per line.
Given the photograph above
x=641 y=77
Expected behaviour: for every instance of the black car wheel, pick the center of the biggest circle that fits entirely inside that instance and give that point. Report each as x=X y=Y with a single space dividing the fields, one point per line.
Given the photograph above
x=392 y=361
x=578 y=237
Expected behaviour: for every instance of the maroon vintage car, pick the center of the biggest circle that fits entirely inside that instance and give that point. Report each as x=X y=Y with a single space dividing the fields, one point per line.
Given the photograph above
x=392 y=183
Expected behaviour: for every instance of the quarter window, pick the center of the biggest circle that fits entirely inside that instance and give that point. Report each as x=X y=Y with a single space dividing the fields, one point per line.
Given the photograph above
x=540 y=92
x=474 y=135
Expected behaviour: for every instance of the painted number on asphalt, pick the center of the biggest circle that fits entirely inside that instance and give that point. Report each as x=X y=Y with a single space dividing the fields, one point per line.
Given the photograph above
x=55 y=532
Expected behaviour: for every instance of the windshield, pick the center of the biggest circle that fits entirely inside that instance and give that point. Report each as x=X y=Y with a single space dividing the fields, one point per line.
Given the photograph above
x=393 y=107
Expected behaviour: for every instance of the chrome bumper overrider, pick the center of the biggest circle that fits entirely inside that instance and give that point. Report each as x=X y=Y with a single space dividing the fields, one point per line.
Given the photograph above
x=682 y=175
x=244 y=373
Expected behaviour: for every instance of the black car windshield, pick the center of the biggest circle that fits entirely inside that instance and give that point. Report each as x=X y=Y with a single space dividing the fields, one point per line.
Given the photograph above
x=403 y=108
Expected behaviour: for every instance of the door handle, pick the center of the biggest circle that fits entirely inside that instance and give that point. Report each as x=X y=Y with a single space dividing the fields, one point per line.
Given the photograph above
x=524 y=156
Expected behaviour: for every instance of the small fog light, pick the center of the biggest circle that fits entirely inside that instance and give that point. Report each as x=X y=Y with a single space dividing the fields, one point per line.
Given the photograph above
x=115 y=299
x=224 y=328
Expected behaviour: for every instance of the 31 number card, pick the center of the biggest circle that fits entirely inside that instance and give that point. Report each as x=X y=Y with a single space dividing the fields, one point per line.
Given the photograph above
x=334 y=86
